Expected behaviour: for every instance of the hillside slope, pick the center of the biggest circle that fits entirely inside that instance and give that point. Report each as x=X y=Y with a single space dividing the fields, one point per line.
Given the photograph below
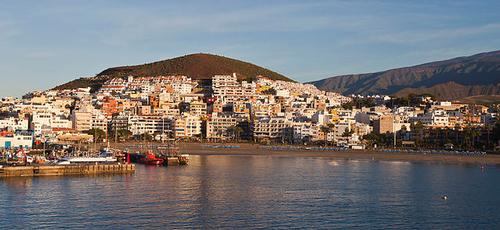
x=197 y=66
x=450 y=79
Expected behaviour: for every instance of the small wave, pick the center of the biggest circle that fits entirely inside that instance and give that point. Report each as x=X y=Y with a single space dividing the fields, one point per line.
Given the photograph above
x=333 y=163
x=397 y=162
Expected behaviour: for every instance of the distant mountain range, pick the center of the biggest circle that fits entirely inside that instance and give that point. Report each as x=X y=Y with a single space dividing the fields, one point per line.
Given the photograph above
x=450 y=79
x=197 y=66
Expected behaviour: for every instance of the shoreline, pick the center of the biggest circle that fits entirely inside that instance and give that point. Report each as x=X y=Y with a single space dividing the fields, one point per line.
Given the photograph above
x=259 y=150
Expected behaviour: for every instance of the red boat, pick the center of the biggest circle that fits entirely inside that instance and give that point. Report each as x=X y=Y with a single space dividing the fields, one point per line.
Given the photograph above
x=151 y=159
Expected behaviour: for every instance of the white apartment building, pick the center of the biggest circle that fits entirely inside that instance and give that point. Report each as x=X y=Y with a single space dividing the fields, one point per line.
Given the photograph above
x=14 y=123
x=88 y=118
x=282 y=93
x=165 y=98
x=227 y=88
x=168 y=111
x=99 y=121
x=362 y=129
x=220 y=82
x=42 y=122
x=114 y=85
x=187 y=126
x=218 y=124
x=303 y=132
x=437 y=118
x=61 y=122
x=269 y=128
x=347 y=116
x=150 y=124
x=198 y=108
x=320 y=118
x=181 y=87
x=81 y=120
x=18 y=139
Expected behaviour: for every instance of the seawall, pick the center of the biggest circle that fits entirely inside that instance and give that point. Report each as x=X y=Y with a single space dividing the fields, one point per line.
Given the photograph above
x=63 y=170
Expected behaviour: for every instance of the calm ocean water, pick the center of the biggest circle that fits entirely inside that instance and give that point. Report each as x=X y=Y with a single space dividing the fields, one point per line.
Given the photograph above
x=261 y=192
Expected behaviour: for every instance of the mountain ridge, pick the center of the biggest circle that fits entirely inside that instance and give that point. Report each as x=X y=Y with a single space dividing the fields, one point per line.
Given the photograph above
x=472 y=75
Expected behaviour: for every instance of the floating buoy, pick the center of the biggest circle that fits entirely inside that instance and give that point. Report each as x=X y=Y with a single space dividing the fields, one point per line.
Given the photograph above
x=444 y=197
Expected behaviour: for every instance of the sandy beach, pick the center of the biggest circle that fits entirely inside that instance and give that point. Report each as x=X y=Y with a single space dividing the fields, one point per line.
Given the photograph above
x=258 y=150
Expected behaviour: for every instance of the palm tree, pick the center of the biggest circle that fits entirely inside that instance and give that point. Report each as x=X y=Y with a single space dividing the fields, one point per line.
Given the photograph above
x=455 y=131
x=475 y=133
x=470 y=135
x=231 y=131
x=124 y=134
x=417 y=129
x=238 y=130
x=98 y=134
x=326 y=129
x=234 y=132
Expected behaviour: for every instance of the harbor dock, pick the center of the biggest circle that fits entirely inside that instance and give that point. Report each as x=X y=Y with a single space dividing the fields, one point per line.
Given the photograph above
x=66 y=170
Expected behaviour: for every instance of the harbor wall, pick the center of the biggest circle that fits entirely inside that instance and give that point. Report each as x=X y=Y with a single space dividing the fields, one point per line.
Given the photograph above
x=62 y=170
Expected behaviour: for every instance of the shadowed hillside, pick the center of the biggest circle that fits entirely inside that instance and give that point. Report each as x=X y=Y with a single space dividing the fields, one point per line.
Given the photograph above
x=197 y=66
x=451 y=79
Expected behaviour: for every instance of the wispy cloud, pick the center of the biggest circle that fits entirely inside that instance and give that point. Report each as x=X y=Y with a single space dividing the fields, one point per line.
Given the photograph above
x=131 y=24
x=411 y=36
x=288 y=17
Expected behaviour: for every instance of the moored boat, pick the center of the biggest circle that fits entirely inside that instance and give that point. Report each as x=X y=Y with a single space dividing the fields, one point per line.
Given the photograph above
x=183 y=159
x=150 y=159
x=104 y=157
x=86 y=160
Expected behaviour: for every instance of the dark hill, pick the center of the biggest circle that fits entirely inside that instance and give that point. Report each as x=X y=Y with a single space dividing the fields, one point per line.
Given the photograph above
x=197 y=66
x=450 y=79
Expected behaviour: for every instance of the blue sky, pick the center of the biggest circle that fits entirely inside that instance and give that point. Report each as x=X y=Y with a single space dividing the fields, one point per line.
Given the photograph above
x=46 y=43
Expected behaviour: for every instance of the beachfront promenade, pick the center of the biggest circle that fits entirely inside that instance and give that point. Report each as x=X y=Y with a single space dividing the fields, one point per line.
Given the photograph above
x=331 y=152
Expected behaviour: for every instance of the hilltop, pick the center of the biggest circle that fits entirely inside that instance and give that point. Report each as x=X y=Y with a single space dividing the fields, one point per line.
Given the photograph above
x=197 y=66
x=450 y=79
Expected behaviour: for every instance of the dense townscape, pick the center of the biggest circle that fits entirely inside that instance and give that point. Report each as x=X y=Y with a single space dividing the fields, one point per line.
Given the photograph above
x=226 y=109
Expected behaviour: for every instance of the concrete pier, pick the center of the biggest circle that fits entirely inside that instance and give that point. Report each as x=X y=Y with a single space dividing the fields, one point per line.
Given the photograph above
x=63 y=170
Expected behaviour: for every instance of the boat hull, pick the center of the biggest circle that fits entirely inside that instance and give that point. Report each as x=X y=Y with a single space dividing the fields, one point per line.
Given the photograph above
x=151 y=162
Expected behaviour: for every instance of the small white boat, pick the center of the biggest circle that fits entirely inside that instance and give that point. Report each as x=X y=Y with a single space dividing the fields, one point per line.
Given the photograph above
x=105 y=157
x=86 y=160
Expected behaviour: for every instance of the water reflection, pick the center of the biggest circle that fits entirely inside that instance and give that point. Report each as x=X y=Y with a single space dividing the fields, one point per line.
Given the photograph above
x=260 y=191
